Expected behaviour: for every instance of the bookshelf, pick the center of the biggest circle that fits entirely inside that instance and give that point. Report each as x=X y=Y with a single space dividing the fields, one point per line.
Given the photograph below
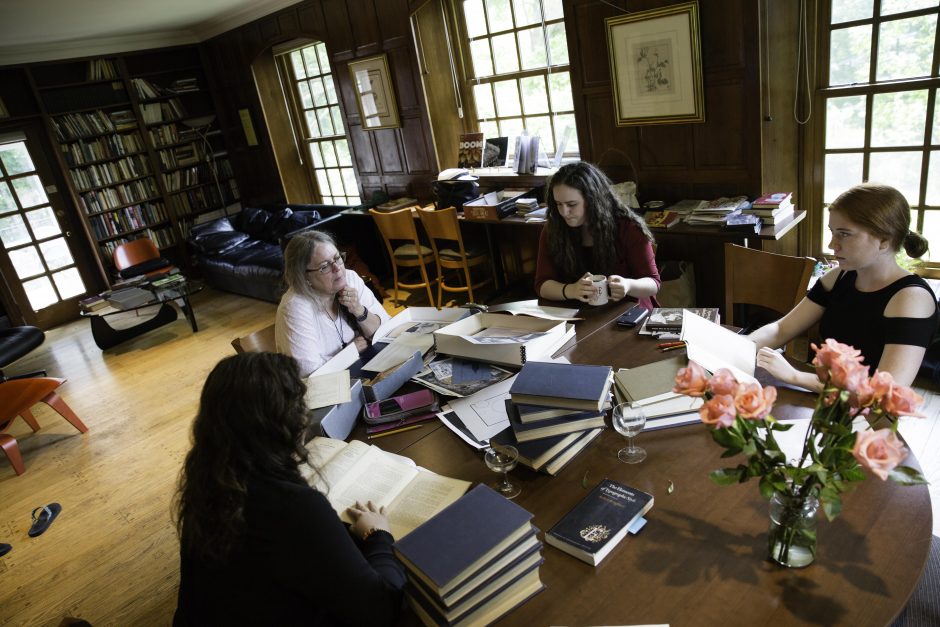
x=136 y=144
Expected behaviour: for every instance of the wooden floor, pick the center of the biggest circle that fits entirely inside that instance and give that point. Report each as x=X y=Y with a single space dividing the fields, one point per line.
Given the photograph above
x=112 y=555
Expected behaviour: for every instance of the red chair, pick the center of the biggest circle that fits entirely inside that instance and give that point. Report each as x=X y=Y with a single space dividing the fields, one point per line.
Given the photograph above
x=17 y=396
x=140 y=256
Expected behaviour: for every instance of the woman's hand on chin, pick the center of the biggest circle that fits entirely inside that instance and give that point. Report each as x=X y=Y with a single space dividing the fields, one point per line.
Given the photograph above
x=349 y=299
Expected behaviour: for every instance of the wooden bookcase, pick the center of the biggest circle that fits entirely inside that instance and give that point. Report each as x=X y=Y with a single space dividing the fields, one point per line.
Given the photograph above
x=137 y=143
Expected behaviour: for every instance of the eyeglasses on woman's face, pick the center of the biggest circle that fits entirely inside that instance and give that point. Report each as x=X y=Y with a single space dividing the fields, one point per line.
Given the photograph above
x=338 y=261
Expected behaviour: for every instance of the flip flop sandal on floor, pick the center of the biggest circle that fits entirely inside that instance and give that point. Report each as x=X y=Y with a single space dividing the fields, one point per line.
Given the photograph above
x=46 y=515
x=4 y=549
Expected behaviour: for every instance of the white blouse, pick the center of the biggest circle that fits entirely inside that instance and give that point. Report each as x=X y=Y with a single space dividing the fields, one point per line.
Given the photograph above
x=307 y=333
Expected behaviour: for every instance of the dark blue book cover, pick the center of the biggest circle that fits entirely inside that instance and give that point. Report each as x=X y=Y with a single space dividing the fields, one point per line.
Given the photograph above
x=561 y=385
x=534 y=453
x=574 y=422
x=534 y=413
x=600 y=521
x=462 y=537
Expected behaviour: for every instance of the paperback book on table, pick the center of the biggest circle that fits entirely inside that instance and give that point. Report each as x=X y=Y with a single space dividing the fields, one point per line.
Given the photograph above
x=669 y=319
x=593 y=527
x=575 y=421
x=661 y=219
x=573 y=386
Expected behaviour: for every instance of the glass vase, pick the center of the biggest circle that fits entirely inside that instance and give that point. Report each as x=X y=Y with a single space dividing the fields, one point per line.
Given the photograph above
x=791 y=541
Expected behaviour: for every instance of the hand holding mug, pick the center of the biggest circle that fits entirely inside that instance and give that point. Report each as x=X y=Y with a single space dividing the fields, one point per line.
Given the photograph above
x=618 y=286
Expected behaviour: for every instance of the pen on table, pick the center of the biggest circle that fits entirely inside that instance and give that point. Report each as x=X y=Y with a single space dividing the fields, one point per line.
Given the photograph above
x=394 y=431
x=672 y=348
x=670 y=344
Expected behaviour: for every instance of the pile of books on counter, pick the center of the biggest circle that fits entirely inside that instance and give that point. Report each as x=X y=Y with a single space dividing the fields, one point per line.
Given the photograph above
x=772 y=208
x=473 y=562
x=717 y=212
x=555 y=411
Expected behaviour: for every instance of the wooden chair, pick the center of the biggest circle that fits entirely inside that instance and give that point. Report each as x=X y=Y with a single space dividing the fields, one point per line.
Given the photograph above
x=399 y=226
x=261 y=341
x=755 y=277
x=17 y=396
x=140 y=256
x=442 y=226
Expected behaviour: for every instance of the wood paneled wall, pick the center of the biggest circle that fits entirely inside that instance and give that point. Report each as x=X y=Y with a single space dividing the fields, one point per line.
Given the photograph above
x=395 y=161
x=721 y=156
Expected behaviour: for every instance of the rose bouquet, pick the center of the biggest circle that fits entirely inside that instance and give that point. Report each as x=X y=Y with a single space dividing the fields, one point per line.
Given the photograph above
x=833 y=455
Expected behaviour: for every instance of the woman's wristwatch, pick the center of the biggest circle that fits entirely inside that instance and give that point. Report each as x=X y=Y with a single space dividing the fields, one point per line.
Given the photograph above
x=365 y=314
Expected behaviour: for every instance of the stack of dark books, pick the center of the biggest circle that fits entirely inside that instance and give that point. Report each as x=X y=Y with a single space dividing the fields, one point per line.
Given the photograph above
x=555 y=411
x=473 y=562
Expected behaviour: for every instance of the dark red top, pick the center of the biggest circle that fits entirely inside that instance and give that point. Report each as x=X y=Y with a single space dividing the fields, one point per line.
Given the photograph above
x=635 y=259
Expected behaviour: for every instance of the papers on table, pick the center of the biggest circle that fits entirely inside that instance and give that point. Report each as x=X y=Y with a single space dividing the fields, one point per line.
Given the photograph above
x=484 y=413
x=532 y=308
x=501 y=335
x=418 y=321
x=324 y=389
x=340 y=361
x=399 y=351
x=714 y=347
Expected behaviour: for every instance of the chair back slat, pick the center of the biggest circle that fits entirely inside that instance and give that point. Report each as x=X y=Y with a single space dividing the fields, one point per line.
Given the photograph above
x=755 y=277
x=261 y=341
x=135 y=252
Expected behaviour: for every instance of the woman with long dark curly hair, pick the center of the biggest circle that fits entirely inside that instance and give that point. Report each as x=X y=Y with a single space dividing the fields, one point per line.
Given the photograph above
x=257 y=544
x=589 y=231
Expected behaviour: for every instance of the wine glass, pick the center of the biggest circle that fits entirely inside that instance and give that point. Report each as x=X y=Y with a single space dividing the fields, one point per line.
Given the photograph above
x=629 y=419
x=503 y=460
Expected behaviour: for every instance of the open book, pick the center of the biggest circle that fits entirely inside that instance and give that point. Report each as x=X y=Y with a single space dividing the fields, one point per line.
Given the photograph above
x=361 y=472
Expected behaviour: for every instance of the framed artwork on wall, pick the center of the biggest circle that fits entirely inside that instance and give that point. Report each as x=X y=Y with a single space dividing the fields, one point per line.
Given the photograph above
x=656 y=66
x=374 y=93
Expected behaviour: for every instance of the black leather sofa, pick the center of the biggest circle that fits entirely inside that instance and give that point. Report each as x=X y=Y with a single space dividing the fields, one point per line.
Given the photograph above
x=244 y=253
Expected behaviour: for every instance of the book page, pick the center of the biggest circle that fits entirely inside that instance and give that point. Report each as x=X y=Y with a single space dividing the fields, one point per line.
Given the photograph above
x=333 y=458
x=426 y=494
x=714 y=347
x=375 y=476
x=327 y=389
x=399 y=351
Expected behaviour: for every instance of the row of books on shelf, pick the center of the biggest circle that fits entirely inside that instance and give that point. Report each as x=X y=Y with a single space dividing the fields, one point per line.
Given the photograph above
x=147 y=89
x=119 y=195
x=111 y=172
x=127 y=219
x=163 y=238
x=186 y=177
x=205 y=197
x=73 y=126
x=180 y=156
x=155 y=112
x=171 y=133
x=101 y=69
x=104 y=147
x=735 y=212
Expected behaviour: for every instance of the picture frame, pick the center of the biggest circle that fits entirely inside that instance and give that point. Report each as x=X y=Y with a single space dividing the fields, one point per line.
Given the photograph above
x=656 y=66
x=375 y=93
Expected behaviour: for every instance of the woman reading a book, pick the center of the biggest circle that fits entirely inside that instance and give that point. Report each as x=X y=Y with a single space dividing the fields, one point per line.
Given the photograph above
x=257 y=544
x=868 y=301
x=589 y=231
x=326 y=306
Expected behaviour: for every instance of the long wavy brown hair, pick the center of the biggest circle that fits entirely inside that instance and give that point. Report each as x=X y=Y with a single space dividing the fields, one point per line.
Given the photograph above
x=602 y=211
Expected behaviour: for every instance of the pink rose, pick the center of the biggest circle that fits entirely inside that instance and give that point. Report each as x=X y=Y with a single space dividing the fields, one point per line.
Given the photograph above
x=902 y=401
x=754 y=402
x=872 y=391
x=839 y=364
x=723 y=382
x=718 y=411
x=691 y=380
x=879 y=451
x=848 y=374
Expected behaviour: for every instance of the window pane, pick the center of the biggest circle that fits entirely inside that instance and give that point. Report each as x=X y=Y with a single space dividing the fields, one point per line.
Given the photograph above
x=40 y=293
x=900 y=6
x=329 y=154
x=297 y=63
x=310 y=59
x=43 y=223
x=337 y=117
x=845 y=122
x=849 y=10
x=504 y=53
x=326 y=121
x=342 y=152
x=905 y=47
x=13 y=231
x=316 y=89
x=330 y=88
x=474 y=18
x=26 y=262
x=527 y=12
x=563 y=122
x=498 y=15
x=932 y=233
x=482 y=61
x=507 y=98
x=560 y=86
x=489 y=129
x=553 y=10
x=313 y=129
x=541 y=127
x=534 y=94
x=56 y=253
x=850 y=55
x=15 y=158
x=69 y=283
x=323 y=58
x=898 y=118
x=306 y=100
x=532 y=48
x=842 y=172
x=336 y=181
x=349 y=182
x=315 y=155
x=7 y=204
x=30 y=192
x=557 y=44
x=934 y=136
x=483 y=97
x=511 y=128
x=323 y=183
x=933 y=182
x=897 y=169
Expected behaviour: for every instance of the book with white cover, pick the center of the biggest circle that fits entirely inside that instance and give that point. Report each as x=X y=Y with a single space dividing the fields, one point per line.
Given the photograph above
x=714 y=347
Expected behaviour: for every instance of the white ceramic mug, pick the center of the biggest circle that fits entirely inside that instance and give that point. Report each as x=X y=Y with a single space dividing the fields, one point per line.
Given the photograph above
x=600 y=290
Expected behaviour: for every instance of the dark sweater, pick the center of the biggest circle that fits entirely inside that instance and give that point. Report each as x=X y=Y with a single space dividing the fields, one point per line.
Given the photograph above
x=857 y=318
x=299 y=566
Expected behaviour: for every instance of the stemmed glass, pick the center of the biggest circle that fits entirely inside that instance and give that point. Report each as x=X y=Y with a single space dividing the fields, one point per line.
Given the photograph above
x=629 y=419
x=503 y=461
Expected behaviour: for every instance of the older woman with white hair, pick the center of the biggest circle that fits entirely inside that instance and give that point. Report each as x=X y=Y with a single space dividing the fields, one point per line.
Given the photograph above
x=326 y=306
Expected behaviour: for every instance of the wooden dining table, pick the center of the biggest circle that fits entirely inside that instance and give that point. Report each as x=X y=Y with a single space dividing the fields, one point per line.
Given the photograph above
x=701 y=559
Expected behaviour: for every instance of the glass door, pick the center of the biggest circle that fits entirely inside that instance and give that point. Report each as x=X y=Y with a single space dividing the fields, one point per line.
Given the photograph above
x=41 y=272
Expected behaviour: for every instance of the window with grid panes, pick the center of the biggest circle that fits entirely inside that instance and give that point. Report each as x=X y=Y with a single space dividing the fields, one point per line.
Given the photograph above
x=320 y=123
x=519 y=70
x=880 y=106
